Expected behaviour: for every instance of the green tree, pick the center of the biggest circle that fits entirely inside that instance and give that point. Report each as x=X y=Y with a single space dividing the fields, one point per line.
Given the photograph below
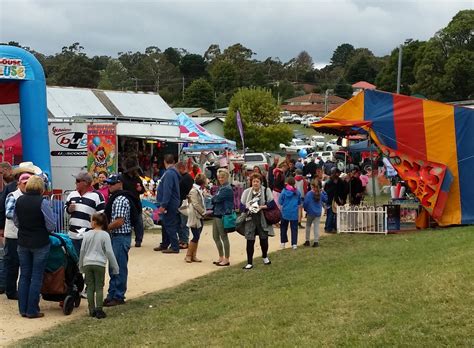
x=115 y=76
x=199 y=94
x=260 y=120
x=343 y=89
x=363 y=66
x=445 y=70
x=387 y=77
x=193 y=66
x=212 y=53
x=223 y=76
x=172 y=55
x=342 y=54
x=73 y=68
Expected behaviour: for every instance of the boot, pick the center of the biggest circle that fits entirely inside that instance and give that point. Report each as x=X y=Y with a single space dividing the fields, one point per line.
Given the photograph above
x=189 y=255
x=194 y=247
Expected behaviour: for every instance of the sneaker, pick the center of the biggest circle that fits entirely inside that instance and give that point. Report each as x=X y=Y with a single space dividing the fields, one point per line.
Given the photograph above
x=93 y=312
x=113 y=302
x=138 y=244
x=100 y=314
x=294 y=246
x=159 y=248
x=315 y=244
x=266 y=261
x=248 y=266
x=306 y=243
x=282 y=246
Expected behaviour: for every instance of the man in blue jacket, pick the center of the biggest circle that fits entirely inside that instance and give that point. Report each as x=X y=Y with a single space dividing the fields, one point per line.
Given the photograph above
x=168 y=197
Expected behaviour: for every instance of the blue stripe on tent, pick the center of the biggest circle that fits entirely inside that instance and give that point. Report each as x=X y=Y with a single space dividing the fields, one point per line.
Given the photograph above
x=464 y=125
x=378 y=108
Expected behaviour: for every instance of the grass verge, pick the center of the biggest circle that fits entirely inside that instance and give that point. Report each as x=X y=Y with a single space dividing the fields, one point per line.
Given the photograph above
x=355 y=290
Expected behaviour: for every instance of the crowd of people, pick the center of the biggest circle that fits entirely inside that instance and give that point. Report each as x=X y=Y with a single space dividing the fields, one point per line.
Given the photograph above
x=103 y=215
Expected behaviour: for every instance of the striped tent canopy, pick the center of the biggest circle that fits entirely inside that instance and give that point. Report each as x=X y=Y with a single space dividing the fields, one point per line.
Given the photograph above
x=430 y=144
x=199 y=138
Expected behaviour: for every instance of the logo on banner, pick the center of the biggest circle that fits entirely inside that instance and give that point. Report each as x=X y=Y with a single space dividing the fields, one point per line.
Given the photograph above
x=72 y=140
x=12 y=69
x=429 y=181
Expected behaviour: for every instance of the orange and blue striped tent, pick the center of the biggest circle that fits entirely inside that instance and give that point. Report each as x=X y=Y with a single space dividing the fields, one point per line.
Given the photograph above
x=432 y=136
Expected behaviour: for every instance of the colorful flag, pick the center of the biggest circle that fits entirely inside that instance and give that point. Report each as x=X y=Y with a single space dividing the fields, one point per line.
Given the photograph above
x=241 y=129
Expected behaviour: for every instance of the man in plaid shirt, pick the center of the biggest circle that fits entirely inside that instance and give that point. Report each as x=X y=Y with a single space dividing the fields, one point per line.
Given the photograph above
x=118 y=210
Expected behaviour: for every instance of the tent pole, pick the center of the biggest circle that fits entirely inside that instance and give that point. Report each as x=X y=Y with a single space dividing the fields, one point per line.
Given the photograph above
x=373 y=172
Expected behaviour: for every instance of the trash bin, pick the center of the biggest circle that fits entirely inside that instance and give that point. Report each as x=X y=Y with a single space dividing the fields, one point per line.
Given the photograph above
x=393 y=217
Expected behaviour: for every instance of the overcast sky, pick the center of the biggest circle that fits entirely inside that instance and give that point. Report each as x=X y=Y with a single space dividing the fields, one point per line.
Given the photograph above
x=270 y=28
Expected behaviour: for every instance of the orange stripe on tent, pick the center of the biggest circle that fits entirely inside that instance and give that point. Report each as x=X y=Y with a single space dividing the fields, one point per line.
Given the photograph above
x=352 y=110
x=440 y=136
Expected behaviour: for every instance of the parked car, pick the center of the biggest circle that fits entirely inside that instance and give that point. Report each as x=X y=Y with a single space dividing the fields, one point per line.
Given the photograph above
x=295 y=146
x=331 y=145
x=317 y=141
x=307 y=121
x=324 y=155
x=297 y=119
x=299 y=135
x=286 y=119
x=256 y=159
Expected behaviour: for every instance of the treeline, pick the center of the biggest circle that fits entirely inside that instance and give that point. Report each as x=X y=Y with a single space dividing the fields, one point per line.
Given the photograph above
x=441 y=68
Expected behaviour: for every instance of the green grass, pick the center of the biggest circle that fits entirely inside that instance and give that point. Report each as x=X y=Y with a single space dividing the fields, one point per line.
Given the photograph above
x=355 y=291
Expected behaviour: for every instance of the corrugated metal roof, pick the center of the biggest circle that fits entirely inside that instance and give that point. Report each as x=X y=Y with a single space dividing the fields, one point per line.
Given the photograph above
x=141 y=105
x=186 y=110
x=64 y=102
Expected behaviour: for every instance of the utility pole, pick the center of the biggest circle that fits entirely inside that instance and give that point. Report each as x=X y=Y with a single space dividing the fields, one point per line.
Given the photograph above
x=399 y=73
x=136 y=83
x=183 y=87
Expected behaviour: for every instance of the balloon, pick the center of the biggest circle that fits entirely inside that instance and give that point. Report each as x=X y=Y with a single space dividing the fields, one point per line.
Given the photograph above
x=302 y=153
x=92 y=147
x=96 y=141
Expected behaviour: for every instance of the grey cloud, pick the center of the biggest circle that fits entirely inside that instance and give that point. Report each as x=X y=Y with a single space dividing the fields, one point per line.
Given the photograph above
x=270 y=28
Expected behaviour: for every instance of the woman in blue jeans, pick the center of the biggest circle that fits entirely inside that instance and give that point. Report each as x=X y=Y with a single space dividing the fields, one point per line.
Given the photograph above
x=34 y=218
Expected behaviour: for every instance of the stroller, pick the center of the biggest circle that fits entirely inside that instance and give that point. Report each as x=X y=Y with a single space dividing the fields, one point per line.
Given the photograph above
x=62 y=281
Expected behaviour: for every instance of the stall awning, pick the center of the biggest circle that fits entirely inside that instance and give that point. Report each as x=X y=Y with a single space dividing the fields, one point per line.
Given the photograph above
x=429 y=143
x=201 y=138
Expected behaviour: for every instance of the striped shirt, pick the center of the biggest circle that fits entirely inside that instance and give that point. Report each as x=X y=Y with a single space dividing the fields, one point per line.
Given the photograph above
x=85 y=206
x=121 y=209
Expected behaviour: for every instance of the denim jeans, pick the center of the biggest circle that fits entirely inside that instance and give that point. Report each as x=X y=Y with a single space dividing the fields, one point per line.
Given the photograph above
x=77 y=243
x=138 y=228
x=118 y=282
x=170 y=222
x=183 y=232
x=3 y=271
x=196 y=233
x=330 y=224
x=32 y=265
x=12 y=266
x=284 y=229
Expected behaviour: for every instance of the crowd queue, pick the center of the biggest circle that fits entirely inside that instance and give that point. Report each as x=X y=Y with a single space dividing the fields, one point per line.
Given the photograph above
x=104 y=214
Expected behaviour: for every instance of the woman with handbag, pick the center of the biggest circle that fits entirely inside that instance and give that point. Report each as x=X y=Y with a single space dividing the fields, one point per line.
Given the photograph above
x=197 y=210
x=254 y=201
x=223 y=204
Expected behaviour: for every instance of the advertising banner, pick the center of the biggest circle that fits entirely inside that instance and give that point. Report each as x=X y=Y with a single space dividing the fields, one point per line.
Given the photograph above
x=101 y=148
x=430 y=182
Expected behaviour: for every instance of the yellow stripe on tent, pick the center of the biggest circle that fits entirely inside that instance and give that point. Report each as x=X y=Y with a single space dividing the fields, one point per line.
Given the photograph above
x=351 y=110
x=440 y=136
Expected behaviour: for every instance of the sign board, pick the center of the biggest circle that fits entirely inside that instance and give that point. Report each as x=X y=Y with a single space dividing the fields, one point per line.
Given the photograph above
x=12 y=69
x=101 y=148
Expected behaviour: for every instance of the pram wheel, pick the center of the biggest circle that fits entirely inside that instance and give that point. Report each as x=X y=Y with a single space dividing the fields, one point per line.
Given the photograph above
x=68 y=306
x=77 y=299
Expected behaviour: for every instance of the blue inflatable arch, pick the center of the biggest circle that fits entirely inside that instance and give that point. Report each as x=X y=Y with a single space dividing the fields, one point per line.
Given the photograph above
x=20 y=66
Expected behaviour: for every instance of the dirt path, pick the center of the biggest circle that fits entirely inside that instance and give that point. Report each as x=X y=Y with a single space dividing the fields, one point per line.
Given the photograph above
x=149 y=271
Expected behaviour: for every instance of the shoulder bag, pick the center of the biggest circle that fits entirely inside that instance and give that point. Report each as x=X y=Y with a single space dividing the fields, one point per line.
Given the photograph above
x=272 y=215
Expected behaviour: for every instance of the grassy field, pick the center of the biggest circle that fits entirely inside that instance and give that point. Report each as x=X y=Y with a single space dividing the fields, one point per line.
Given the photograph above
x=355 y=291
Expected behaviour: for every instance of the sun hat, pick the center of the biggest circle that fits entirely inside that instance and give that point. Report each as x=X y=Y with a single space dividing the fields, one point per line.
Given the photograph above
x=27 y=167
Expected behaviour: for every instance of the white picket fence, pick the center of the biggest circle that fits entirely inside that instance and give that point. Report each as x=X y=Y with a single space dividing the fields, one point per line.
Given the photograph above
x=361 y=219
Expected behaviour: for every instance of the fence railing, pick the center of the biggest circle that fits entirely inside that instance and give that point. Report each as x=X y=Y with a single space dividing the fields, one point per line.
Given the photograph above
x=361 y=219
x=57 y=201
